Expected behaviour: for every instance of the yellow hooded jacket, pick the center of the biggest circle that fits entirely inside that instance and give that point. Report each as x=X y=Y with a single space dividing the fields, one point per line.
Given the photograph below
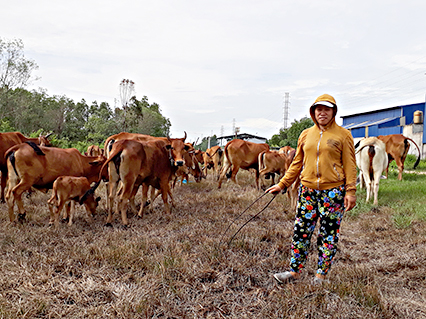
x=324 y=158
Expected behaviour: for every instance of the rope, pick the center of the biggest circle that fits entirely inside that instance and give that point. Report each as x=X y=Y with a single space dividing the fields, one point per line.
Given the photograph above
x=236 y=218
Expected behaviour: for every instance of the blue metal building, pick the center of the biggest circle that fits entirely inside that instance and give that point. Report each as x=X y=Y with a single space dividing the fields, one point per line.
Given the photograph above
x=394 y=120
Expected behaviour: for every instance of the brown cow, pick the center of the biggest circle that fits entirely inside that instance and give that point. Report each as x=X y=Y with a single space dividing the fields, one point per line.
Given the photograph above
x=199 y=155
x=94 y=150
x=397 y=147
x=176 y=154
x=241 y=154
x=191 y=166
x=271 y=163
x=9 y=139
x=135 y=163
x=71 y=188
x=32 y=166
x=213 y=158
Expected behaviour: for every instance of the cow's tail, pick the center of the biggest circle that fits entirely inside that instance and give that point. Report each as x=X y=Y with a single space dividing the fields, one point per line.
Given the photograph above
x=108 y=147
x=11 y=156
x=418 y=149
x=114 y=156
x=227 y=160
x=35 y=148
x=371 y=153
x=261 y=158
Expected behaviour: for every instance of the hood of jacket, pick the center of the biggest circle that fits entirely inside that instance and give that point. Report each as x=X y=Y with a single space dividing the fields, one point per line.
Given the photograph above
x=327 y=100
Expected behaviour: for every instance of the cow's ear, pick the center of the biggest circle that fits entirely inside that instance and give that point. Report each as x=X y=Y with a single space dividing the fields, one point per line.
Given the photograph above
x=168 y=146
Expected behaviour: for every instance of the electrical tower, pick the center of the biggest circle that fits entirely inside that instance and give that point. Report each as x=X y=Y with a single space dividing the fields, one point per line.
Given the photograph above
x=233 y=126
x=285 y=111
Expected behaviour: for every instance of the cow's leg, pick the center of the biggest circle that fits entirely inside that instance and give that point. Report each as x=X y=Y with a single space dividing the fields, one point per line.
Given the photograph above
x=128 y=180
x=223 y=172
x=54 y=214
x=368 y=184
x=112 y=186
x=400 y=165
x=257 y=179
x=70 y=211
x=112 y=191
x=10 y=199
x=234 y=172
x=144 y=200
x=390 y=159
x=376 y=186
x=164 y=185
x=132 y=203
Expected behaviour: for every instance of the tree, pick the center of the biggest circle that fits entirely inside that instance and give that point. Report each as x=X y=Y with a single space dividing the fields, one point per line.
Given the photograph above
x=15 y=72
x=15 y=69
x=291 y=135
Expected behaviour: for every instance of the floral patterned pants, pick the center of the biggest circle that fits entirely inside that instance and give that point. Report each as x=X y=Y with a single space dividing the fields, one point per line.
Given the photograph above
x=328 y=206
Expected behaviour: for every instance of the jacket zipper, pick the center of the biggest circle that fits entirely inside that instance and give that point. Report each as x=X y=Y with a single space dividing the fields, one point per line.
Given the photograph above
x=318 y=176
x=338 y=175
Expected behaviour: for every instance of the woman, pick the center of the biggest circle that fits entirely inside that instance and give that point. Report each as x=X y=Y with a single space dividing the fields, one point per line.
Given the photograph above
x=325 y=160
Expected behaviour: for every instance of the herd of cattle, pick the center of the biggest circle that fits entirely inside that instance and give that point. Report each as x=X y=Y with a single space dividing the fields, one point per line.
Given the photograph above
x=130 y=160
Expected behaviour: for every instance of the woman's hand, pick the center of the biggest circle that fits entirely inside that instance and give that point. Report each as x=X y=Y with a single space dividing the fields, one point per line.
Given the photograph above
x=274 y=190
x=350 y=202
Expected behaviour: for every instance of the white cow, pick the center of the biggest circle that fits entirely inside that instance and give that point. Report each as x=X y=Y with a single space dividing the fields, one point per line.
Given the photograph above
x=372 y=160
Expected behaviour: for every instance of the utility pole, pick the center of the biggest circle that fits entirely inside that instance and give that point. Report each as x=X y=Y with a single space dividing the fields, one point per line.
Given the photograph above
x=233 y=126
x=285 y=111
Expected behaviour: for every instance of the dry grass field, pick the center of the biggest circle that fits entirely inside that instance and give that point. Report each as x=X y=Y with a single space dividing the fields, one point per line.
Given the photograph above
x=173 y=266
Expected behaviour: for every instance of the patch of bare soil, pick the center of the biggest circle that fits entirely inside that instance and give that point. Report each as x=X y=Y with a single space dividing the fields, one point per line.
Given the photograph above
x=174 y=266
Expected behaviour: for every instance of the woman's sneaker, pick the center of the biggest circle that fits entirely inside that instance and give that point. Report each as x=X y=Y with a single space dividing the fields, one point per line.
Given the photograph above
x=284 y=277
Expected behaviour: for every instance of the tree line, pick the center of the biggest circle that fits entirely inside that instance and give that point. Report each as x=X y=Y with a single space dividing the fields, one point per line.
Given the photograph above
x=73 y=124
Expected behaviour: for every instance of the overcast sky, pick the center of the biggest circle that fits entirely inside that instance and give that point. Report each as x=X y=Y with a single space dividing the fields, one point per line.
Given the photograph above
x=207 y=63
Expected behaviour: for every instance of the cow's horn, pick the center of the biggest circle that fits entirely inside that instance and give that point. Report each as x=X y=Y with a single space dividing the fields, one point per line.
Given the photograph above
x=184 y=138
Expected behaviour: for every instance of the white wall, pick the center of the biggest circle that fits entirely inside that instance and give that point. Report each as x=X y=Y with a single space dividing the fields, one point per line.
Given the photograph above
x=415 y=132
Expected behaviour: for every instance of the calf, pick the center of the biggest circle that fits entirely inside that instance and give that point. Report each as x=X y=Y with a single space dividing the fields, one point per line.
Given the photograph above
x=372 y=160
x=70 y=188
x=213 y=158
x=293 y=190
x=271 y=163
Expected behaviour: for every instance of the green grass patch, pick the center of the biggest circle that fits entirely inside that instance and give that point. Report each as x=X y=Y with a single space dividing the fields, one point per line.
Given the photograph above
x=406 y=199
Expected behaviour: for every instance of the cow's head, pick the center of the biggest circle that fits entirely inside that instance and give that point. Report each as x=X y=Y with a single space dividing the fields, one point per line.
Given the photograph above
x=98 y=160
x=177 y=150
x=43 y=140
x=192 y=162
x=208 y=160
x=91 y=203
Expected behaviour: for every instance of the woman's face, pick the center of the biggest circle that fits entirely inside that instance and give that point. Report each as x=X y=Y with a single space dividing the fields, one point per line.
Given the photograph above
x=323 y=115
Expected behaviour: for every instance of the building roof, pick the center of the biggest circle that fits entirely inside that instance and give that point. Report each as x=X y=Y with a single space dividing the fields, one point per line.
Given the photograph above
x=369 y=123
x=242 y=136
